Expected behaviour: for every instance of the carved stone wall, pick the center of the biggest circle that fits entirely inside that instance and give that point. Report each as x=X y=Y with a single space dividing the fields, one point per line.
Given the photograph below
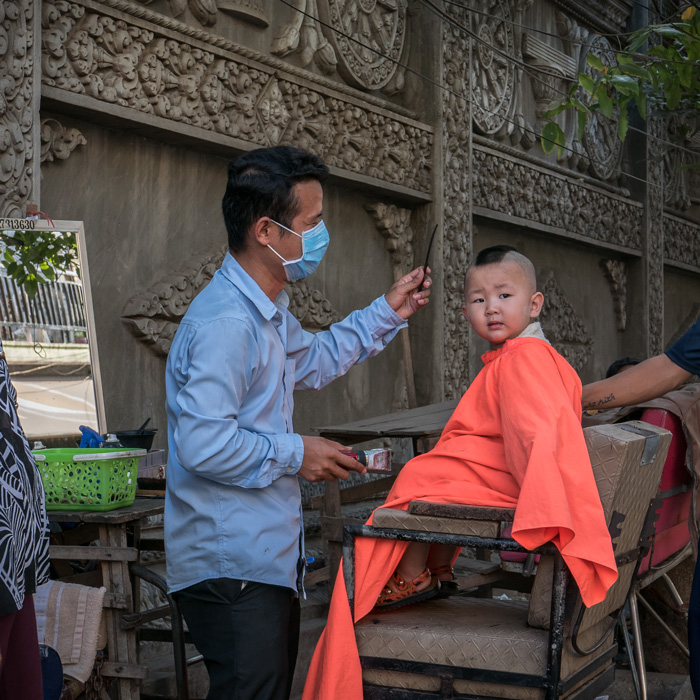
x=19 y=107
x=564 y=328
x=173 y=76
x=510 y=186
x=681 y=241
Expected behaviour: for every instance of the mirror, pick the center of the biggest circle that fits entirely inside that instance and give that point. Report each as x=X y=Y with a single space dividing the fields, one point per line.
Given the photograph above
x=49 y=342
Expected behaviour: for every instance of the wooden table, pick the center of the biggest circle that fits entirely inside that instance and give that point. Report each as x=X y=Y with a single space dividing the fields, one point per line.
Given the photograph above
x=418 y=424
x=118 y=532
x=415 y=423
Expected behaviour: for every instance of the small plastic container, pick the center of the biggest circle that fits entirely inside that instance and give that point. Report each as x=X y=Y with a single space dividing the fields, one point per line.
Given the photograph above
x=90 y=479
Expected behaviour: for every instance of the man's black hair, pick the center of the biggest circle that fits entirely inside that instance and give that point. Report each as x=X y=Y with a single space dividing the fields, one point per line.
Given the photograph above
x=623 y=362
x=260 y=184
x=494 y=254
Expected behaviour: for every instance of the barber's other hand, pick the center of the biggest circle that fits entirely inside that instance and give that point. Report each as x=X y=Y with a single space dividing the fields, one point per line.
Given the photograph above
x=404 y=297
x=324 y=461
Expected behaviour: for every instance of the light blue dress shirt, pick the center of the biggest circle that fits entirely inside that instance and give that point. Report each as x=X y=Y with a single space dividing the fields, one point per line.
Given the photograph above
x=233 y=505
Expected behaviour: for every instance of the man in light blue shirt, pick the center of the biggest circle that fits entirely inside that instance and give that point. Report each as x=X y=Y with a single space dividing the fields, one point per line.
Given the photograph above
x=233 y=529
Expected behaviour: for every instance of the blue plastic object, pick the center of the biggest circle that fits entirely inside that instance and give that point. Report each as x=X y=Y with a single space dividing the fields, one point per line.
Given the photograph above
x=89 y=437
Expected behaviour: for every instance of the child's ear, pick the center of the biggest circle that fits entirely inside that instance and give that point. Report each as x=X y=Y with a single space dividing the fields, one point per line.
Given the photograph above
x=536 y=304
x=464 y=312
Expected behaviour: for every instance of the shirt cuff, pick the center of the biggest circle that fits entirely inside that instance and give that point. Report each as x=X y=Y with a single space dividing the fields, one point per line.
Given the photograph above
x=387 y=319
x=290 y=454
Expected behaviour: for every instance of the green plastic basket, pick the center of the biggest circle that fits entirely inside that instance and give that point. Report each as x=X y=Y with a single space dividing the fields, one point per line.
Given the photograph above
x=88 y=478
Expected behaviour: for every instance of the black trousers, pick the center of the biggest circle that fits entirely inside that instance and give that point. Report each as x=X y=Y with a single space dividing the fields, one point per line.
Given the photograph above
x=248 y=634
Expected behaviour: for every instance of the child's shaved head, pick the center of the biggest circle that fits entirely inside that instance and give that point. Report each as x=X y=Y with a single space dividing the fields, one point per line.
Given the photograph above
x=506 y=253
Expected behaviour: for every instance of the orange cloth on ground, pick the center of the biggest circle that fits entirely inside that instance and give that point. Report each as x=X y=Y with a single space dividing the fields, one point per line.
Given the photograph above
x=514 y=440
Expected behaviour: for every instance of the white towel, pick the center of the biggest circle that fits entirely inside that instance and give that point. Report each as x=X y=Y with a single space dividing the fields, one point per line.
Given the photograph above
x=68 y=619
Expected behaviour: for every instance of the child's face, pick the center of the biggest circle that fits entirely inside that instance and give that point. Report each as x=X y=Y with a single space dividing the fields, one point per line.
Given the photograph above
x=500 y=301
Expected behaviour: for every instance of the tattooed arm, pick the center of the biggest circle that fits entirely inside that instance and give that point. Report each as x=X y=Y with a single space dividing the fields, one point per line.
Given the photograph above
x=643 y=382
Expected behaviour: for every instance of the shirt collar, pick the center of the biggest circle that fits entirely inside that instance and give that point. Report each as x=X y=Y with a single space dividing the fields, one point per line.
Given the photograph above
x=234 y=273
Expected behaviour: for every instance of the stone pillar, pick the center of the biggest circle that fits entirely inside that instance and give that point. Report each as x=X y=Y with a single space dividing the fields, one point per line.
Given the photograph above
x=653 y=237
x=456 y=197
x=20 y=94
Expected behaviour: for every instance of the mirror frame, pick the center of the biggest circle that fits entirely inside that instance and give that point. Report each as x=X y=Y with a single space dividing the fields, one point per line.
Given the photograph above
x=78 y=228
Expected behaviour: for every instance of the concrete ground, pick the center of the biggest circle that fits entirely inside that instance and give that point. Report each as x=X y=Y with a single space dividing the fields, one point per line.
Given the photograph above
x=660 y=686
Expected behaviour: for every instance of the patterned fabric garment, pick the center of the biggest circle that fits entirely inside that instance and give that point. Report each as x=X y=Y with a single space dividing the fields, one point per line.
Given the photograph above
x=24 y=526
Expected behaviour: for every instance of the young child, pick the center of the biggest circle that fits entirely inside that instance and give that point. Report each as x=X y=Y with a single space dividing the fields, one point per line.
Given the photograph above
x=515 y=440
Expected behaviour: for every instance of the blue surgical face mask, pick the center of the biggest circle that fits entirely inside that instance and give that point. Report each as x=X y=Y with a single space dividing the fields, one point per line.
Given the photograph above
x=314 y=244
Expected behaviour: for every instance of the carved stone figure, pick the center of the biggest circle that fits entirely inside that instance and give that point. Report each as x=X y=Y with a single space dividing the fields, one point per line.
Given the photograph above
x=554 y=71
x=57 y=141
x=303 y=35
x=362 y=39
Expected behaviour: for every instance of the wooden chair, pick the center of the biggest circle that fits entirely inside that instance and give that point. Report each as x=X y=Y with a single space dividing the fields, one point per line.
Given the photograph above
x=669 y=542
x=553 y=647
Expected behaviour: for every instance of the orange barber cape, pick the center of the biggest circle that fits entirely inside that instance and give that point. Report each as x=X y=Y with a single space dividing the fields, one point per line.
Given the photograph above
x=515 y=441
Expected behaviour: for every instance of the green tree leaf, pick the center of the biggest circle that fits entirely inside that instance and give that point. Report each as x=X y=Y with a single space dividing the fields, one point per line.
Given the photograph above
x=606 y=103
x=552 y=136
x=625 y=84
x=622 y=123
x=582 y=117
x=594 y=62
x=587 y=83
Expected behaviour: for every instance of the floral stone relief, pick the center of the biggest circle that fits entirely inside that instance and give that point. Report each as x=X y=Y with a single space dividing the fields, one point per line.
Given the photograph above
x=153 y=315
x=123 y=63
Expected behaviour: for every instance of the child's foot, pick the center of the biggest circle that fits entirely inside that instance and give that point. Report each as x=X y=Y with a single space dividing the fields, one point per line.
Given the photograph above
x=446 y=576
x=399 y=592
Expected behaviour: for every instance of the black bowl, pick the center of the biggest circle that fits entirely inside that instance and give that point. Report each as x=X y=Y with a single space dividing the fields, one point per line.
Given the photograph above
x=139 y=439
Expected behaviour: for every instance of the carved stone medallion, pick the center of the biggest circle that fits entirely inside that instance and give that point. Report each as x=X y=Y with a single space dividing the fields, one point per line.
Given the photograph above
x=368 y=37
x=603 y=147
x=493 y=72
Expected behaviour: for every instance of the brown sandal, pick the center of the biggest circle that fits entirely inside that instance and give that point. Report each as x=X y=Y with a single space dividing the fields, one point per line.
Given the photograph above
x=406 y=592
x=449 y=586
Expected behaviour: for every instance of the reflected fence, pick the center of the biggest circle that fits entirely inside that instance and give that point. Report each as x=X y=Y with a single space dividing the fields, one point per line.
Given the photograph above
x=55 y=315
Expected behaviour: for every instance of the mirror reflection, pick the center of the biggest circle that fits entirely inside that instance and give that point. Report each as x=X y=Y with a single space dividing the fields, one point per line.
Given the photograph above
x=49 y=342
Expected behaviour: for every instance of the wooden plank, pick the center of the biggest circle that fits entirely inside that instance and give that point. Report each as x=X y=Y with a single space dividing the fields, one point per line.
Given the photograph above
x=112 y=669
x=417 y=422
x=57 y=551
x=395 y=418
x=332 y=528
x=117 y=601
x=449 y=510
x=369 y=489
x=322 y=574
x=142 y=507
